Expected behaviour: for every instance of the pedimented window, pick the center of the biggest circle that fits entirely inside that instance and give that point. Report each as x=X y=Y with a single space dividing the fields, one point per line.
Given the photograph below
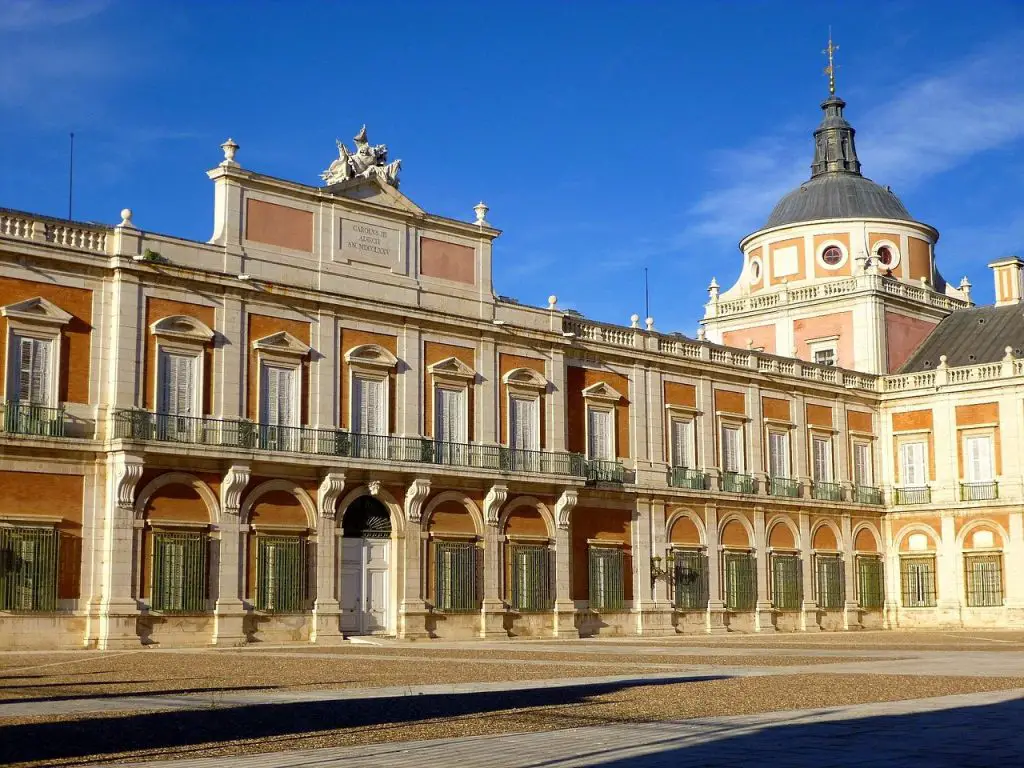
x=452 y=367
x=371 y=356
x=525 y=378
x=37 y=311
x=182 y=328
x=33 y=350
x=281 y=343
x=602 y=391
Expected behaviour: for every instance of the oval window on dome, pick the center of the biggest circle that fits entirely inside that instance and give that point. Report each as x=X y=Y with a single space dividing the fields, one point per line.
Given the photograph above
x=832 y=256
x=755 y=270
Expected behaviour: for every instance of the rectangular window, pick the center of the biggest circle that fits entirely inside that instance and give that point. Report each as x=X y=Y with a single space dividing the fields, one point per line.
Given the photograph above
x=740 y=581
x=983 y=578
x=28 y=569
x=600 y=436
x=786 y=582
x=179 y=572
x=607 y=583
x=529 y=577
x=917 y=576
x=828 y=578
x=177 y=384
x=862 y=464
x=455 y=574
x=821 y=453
x=450 y=415
x=978 y=464
x=682 y=443
x=778 y=454
x=825 y=356
x=280 y=573
x=523 y=424
x=732 y=449
x=278 y=396
x=912 y=464
x=690 y=579
x=870 y=582
x=30 y=380
x=369 y=411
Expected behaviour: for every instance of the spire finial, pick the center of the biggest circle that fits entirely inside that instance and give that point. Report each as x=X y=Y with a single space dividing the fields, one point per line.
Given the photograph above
x=830 y=70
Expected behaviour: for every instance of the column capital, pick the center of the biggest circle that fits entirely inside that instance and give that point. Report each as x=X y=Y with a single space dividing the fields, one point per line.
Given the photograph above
x=496 y=496
x=235 y=480
x=414 y=498
x=564 y=506
x=127 y=473
x=330 y=489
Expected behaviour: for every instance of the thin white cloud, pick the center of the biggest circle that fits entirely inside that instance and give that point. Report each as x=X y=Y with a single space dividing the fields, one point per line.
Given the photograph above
x=20 y=15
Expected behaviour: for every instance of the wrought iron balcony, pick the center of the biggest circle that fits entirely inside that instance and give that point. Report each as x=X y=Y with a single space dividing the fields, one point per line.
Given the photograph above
x=867 y=494
x=827 y=491
x=784 y=486
x=133 y=424
x=683 y=477
x=737 y=482
x=918 y=495
x=604 y=471
x=28 y=419
x=979 y=491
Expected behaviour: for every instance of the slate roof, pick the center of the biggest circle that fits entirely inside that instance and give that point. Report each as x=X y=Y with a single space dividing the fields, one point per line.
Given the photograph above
x=971 y=337
x=838 y=195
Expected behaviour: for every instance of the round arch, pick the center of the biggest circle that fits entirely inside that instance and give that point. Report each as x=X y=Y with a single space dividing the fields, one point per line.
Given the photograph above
x=527 y=501
x=983 y=524
x=907 y=530
x=865 y=526
x=178 y=478
x=384 y=497
x=279 y=485
x=786 y=522
x=747 y=527
x=461 y=498
x=681 y=513
x=831 y=525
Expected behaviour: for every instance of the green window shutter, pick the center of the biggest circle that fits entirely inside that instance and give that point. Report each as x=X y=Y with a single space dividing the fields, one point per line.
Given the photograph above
x=179 y=572
x=829 y=581
x=455 y=574
x=280 y=573
x=607 y=585
x=690 y=579
x=740 y=581
x=786 y=582
x=531 y=578
x=28 y=569
x=869 y=582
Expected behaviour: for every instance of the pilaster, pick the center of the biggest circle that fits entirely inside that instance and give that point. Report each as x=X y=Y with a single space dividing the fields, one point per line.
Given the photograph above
x=229 y=611
x=716 y=606
x=409 y=388
x=809 y=606
x=412 y=610
x=948 y=597
x=326 y=608
x=565 y=606
x=764 y=615
x=851 y=609
x=492 y=614
x=325 y=371
x=556 y=398
x=487 y=394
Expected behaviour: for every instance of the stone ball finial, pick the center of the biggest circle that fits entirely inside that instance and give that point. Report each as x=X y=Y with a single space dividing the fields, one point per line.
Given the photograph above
x=701 y=333
x=649 y=322
x=942 y=361
x=481 y=210
x=126 y=218
x=1009 y=353
x=634 y=320
x=230 y=147
x=552 y=301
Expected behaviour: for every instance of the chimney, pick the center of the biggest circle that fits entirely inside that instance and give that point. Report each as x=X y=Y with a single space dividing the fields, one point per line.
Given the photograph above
x=1009 y=276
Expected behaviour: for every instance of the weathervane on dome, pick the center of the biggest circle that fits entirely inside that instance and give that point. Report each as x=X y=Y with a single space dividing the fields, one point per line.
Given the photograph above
x=830 y=70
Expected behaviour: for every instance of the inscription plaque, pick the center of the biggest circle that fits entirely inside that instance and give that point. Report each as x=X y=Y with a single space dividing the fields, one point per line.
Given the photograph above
x=368 y=243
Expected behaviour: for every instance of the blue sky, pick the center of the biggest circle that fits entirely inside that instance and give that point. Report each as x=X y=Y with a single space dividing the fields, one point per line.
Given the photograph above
x=606 y=137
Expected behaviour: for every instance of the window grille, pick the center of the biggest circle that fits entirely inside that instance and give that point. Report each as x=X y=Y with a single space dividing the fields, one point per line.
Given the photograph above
x=690 y=578
x=983 y=577
x=280 y=573
x=530 y=578
x=28 y=569
x=179 y=572
x=455 y=588
x=740 y=581
x=917 y=577
x=607 y=585
x=829 y=581
x=870 y=582
x=786 y=582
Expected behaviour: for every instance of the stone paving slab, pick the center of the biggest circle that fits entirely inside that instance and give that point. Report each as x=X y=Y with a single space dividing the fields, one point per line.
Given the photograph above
x=968 y=729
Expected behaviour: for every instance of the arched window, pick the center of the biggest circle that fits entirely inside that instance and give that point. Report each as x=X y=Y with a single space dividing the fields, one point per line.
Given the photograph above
x=366 y=517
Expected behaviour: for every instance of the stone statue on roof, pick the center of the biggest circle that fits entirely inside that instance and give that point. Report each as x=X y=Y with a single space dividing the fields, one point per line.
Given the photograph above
x=368 y=161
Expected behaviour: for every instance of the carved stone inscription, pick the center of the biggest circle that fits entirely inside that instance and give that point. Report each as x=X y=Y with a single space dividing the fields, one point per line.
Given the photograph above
x=369 y=243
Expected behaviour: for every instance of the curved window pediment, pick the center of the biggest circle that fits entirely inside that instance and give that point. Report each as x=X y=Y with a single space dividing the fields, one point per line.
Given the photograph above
x=372 y=355
x=182 y=328
x=525 y=377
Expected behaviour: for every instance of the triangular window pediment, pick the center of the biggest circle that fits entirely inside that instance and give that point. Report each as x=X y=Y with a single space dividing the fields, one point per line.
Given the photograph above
x=182 y=328
x=372 y=355
x=602 y=391
x=283 y=343
x=37 y=310
x=452 y=366
x=525 y=377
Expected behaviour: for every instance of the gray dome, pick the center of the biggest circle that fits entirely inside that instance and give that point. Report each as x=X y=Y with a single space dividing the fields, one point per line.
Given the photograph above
x=837 y=195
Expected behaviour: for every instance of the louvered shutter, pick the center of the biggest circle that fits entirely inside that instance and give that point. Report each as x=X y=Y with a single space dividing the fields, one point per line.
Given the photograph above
x=285 y=412
x=862 y=463
x=523 y=424
x=33 y=383
x=979 y=459
x=822 y=449
x=368 y=406
x=600 y=434
x=682 y=443
x=912 y=464
x=731 y=450
x=450 y=418
x=778 y=454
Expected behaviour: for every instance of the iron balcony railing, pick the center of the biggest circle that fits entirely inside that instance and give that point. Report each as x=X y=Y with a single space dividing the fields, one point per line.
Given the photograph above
x=737 y=482
x=827 y=491
x=979 y=491
x=605 y=471
x=134 y=424
x=28 y=419
x=867 y=494
x=784 y=486
x=683 y=477
x=919 y=495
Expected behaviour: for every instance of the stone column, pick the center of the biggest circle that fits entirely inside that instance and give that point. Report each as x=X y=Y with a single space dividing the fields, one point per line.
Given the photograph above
x=892 y=576
x=716 y=606
x=763 y=615
x=1013 y=565
x=326 y=608
x=851 y=608
x=412 y=612
x=948 y=572
x=809 y=606
x=565 y=606
x=492 y=615
x=229 y=611
x=115 y=612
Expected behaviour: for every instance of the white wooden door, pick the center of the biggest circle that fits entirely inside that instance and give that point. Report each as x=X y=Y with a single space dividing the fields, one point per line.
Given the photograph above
x=376 y=562
x=351 y=585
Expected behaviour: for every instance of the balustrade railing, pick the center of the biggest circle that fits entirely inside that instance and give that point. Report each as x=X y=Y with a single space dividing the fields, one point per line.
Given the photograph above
x=28 y=419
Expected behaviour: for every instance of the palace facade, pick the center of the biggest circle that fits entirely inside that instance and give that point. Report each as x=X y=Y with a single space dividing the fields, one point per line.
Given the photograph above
x=324 y=422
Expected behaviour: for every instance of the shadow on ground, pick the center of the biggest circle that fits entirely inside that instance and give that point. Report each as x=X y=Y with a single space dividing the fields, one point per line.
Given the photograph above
x=181 y=729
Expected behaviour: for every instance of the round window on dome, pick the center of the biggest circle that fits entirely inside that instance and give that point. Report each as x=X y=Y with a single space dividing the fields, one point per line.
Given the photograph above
x=832 y=256
x=886 y=255
x=755 y=270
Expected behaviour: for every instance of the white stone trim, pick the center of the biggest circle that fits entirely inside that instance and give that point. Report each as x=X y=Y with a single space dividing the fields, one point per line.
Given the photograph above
x=820 y=251
x=182 y=328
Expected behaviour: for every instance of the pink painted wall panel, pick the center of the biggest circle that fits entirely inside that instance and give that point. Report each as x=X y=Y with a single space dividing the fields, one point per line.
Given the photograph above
x=839 y=324
x=762 y=336
x=903 y=335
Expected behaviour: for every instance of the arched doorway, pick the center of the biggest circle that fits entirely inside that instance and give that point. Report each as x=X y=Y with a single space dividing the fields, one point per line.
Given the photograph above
x=365 y=567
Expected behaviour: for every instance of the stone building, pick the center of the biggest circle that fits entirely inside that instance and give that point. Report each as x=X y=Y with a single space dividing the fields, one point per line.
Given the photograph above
x=324 y=422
